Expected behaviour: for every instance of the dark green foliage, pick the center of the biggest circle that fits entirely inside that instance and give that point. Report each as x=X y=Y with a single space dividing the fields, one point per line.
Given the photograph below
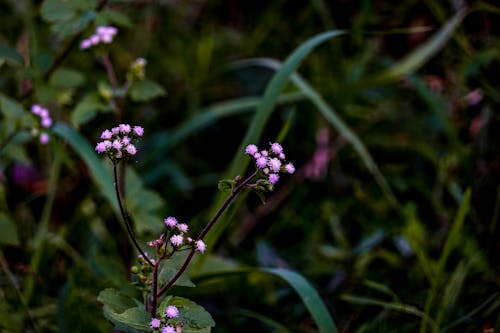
x=389 y=111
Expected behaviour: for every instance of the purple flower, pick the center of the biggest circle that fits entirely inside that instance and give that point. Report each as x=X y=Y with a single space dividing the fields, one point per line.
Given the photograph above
x=273 y=178
x=85 y=44
x=170 y=221
x=171 y=311
x=168 y=329
x=126 y=140
x=276 y=148
x=261 y=162
x=117 y=144
x=176 y=240
x=290 y=168
x=131 y=149
x=200 y=246
x=94 y=39
x=138 y=130
x=124 y=128
x=115 y=130
x=275 y=164
x=155 y=323
x=183 y=227
x=106 y=135
x=100 y=147
x=251 y=149
x=44 y=138
x=46 y=122
x=36 y=109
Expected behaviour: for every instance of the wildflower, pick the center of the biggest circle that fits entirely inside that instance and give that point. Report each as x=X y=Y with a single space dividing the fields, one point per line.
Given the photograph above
x=168 y=329
x=170 y=221
x=200 y=246
x=36 y=109
x=176 y=240
x=138 y=130
x=171 y=311
x=46 y=122
x=251 y=149
x=126 y=140
x=103 y=34
x=131 y=149
x=117 y=144
x=273 y=178
x=275 y=164
x=155 y=323
x=261 y=162
x=106 y=135
x=44 y=138
x=100 y=147
x=183 y=227
x=290 y=168
x=276 y=148
x=124 y=128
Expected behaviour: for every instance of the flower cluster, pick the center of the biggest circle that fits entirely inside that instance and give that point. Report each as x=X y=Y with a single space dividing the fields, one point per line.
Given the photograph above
x=117 y=142
x=45 y=121
x=164 y=324
x=103 y=34
x=178 y=236
x=271 y=162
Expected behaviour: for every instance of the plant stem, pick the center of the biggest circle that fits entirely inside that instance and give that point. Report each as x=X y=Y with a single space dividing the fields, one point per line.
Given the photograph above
x=154 y=299
x=126 y=219
x=204 y=232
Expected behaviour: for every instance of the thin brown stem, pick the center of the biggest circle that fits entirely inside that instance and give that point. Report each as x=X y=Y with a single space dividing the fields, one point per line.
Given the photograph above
x=126 y=219
x=205 y=231
x=154 y=300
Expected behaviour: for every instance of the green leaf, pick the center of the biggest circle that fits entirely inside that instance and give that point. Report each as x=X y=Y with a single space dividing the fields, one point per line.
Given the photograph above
x=309 y=296
x=11 y=109
x=145 y=90
x=87 y=109
x=11 y=55
x=109 y=16
x=68 y=17
x=195 y=318
x=121 y=309
x=70 y=27
x=67 y=78
x=167 y=272
x=8 y=231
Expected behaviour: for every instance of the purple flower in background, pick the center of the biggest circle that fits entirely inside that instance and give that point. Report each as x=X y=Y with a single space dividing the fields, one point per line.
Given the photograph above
x=44 y=138
x=168 y=329
x=138 y=130
x=290 y=168
x=273 y=178
x=200 y=246
x=176 y=240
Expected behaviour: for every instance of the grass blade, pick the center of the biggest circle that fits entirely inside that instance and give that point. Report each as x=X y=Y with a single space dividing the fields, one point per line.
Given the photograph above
x=421 y=55
x=309 y=296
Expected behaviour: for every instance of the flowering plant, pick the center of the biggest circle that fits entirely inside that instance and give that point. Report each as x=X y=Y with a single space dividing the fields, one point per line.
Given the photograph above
x=154 y=275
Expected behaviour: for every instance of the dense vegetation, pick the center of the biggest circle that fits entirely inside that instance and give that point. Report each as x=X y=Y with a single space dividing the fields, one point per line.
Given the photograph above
x=387 y=109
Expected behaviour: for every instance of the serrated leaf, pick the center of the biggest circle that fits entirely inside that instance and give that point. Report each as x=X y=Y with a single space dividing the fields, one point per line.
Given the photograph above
x=121 y=309
x=8 y=231
x=167 y=271
x=67 y=78
x=146 y=90
x=87 y=109
x=11 y=55
x=195 y=318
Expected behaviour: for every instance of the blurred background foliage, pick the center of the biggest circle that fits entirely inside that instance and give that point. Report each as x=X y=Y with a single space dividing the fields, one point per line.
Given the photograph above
x=419 y=255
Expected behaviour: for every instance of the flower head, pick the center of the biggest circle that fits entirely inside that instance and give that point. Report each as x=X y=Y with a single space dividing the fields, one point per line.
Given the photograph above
x=176 y=240
x=168 y=329
x=276 y=148
x=44 y=138
x=103 y=34
x=155 y=323
x=170 y=221
x=270 y=162
x=182 y=227
x=251 y=149
x=290 y=168
x=273 y=178
x=118 y=142
x=200 y=246
x=138 y=130
x=171 y=311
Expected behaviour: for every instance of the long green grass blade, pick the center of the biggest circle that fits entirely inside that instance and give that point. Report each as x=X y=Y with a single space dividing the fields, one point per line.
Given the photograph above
x=422 y=54
x=309 y=296
x=394 y=306
x=451 y=243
